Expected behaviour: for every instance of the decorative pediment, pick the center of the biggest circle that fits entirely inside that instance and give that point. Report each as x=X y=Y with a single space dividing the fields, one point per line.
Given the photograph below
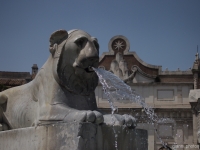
x=127 y=65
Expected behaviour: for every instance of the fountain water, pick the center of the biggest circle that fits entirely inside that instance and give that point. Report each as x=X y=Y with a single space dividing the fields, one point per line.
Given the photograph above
x=118 y=91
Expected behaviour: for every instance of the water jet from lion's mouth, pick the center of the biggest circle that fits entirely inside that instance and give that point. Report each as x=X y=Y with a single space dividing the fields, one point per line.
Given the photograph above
x=117 y=91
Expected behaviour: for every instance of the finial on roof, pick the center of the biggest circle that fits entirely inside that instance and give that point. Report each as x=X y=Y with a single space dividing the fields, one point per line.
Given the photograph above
x=196 y=62
x=34 y=70
x=197 y=55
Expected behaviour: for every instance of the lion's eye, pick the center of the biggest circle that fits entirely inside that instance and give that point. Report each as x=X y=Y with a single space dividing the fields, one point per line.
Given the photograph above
x=81 y=42
x=96 y=45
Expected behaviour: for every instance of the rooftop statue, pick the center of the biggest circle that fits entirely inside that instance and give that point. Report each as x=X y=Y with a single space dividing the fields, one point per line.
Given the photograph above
x=63 y=89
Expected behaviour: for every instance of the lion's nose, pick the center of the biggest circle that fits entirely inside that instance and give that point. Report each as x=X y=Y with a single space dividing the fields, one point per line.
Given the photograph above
x=91 y=61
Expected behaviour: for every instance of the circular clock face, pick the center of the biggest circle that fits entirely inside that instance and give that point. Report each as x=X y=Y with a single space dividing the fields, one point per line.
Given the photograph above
x=118 y=45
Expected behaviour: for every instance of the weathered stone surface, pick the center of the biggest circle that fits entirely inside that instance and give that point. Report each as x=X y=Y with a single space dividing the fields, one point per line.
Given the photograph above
x=73 y=136
x=24 y=139
x=127 y=139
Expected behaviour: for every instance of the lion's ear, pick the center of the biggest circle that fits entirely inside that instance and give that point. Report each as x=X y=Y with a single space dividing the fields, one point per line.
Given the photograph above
x=56 y=38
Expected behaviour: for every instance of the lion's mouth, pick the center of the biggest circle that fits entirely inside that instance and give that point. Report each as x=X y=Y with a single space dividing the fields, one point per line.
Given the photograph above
x=89 y=69
x=87 y=64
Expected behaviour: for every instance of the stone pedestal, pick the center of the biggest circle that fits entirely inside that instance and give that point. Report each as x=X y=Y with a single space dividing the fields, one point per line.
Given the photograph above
x=74 y=136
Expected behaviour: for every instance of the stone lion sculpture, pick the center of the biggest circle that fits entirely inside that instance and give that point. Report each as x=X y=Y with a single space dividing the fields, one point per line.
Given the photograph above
x=63 y=89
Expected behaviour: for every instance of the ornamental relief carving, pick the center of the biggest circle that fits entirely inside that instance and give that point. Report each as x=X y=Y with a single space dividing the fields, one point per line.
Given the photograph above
x=119 y=67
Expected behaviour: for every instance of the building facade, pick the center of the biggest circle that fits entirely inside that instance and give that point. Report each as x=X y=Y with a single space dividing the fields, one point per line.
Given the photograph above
x=11 y=79
x=165 y=91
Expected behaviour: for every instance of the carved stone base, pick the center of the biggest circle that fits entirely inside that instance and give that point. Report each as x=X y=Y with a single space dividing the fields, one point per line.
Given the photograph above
x=73 y=136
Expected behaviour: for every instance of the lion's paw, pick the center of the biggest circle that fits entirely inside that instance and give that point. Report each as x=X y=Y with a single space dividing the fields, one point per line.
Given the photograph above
x=85 y=116
x=119 y=120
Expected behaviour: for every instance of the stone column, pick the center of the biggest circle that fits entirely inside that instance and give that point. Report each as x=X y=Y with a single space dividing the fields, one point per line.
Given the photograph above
x=198 y=128
x=194 y=99
x=198 y=115
x=194 y=129
x=195 y=80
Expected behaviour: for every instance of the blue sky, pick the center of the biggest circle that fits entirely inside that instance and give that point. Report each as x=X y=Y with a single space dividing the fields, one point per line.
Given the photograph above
x=161 y=32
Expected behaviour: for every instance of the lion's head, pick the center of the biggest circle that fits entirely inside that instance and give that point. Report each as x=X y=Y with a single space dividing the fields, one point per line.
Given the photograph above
x=76 y=53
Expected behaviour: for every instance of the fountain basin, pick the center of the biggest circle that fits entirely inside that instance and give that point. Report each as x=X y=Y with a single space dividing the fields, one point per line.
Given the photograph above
x=73 y=136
